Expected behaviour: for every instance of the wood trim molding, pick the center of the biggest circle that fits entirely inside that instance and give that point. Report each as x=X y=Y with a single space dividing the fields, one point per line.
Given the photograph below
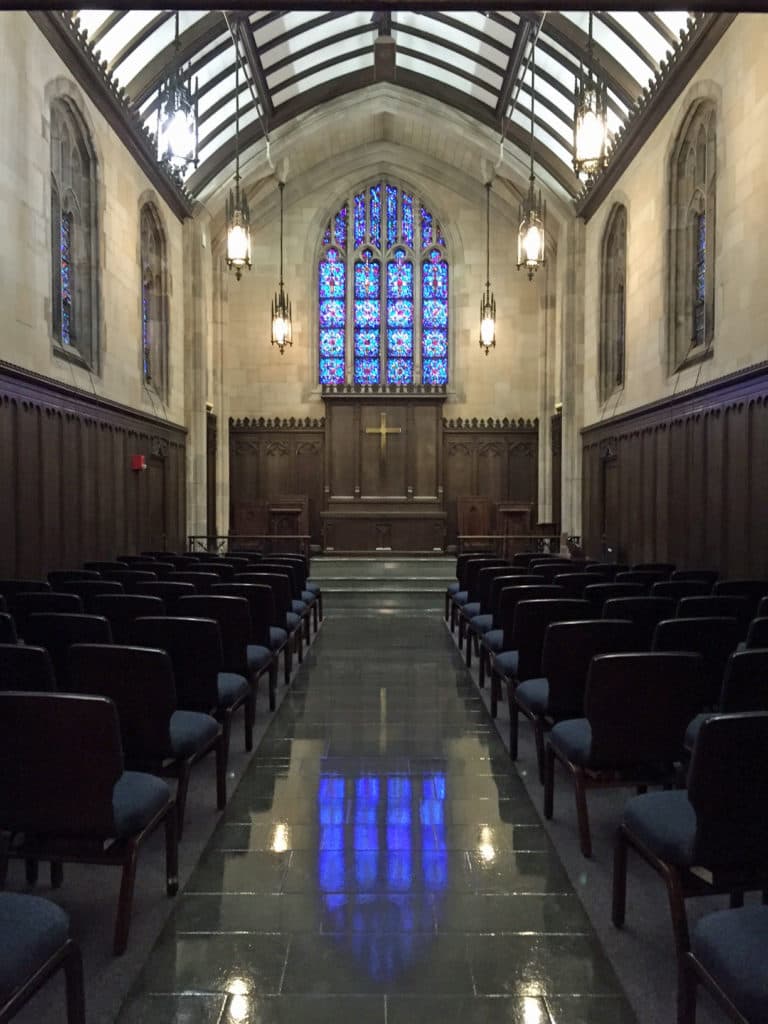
x=469 y=425
x=250 y=425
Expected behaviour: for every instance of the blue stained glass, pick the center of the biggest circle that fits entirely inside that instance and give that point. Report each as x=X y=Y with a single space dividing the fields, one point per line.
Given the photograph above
x=366 y=371
x=359 y=218
x=367 y=313
x=434 y=371
x=376 y=216
x=400 y=280
x=400 y=313
x=332 y=313
x=400 y=342
x=331 y=371
x=426 y=228
x=400 y=371
x=407 y=219
x=701 y=257
x=332 y=275
x=367 y=280
x=340 y=228
x=332 y=343
x=435 y=343
x=391 y=215
x=145 y=338
x=366 y=343
x=66 y=278
x=434 y=273
x=435 y=313
x=439 y=236
x=327 y=235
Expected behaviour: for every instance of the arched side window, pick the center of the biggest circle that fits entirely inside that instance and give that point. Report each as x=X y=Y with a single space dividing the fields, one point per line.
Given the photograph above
x=74 y=250
x=613 y=311
x=375 y=325
x=154 y=300
x=692 y=235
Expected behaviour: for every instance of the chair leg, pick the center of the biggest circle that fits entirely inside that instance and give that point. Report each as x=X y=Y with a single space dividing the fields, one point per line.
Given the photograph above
x=469 y=647
x=307 y=631
x=125 y=899
x=172 y=852
x=221 y=773
x=481 y=668
x=495 y=692
x=674 y=885
x=288 y=662
x=582 y=814
x=314 y=614
x=299 y=644
x=549 y=782
x=320 y=603
x=249 y=711
x=73 y=974
x=538 y=735
x=736 y=899
x=273 y=685
x=619 y=905
x=31 y=870
x=182 y=787
x=57 y=874
x=686 y=992
x=514 y=716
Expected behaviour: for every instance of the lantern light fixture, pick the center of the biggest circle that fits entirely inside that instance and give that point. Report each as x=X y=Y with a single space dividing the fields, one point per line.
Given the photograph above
x=488 y=302
x=238 y=215
x=590 y=122
x=177 y=140
x=531 y=236
x=281 y=306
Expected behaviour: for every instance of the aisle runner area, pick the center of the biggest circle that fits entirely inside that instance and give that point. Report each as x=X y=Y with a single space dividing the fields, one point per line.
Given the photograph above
x=380 y=860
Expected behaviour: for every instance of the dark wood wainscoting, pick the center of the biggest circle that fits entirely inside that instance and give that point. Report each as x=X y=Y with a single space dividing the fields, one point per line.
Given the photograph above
x=493 y=458
x=68 y=492
x=684 y=480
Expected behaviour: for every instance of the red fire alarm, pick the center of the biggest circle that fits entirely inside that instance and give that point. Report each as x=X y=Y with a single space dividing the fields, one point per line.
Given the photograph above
x=138 y=462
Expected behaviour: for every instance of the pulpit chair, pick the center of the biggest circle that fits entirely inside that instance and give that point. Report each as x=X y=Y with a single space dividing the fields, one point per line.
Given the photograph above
x=299 y=606
x=34 y=945
x=636 y=710
x=745 y=688
x=201 y=580
x=9 y=588
x=57 y=631
x=285 y=619
x=168 y=591
x=715 y=639
x=261 y=605
x=574 y=583
x=718 y=607
x=709 y=576
x=23 y=605
x=558 y=694
x=727 y=957
x=677 y=589
x=598 y=593
x=662 y=567
x=241 y=654
x=645 y=612
x=712 y=838
x=607 y=569
x=758 y=634
x=645 y=577
x=523 y=661
x=156 y=736
x=121 y=609
x=753 y=591
x=23 y=667
x=497 y=641
x=68 y=575
x=488 y=618
x=87 y=589
x=194 y=647
x=66 y=796
x=8 y=634
x=130 y=578
x=479 y=596
x=102 y=567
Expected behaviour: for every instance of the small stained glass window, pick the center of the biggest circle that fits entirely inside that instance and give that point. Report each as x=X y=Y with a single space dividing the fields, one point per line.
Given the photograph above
x=434 y=318
x=407 y=231
x=66 y=279
x=340 y=228
x=327 y=234
x=700 y=289
x=367 y=318
x=400 y=317
x=391 y=215
x=332 y=281
x=375 y=218
x=359 y=219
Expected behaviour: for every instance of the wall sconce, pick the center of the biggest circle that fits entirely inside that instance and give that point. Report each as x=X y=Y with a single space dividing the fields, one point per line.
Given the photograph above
x=138 y=462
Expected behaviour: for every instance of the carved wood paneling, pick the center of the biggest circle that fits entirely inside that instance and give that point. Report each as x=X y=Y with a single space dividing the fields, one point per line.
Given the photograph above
x=684 y=480
x=68 y=493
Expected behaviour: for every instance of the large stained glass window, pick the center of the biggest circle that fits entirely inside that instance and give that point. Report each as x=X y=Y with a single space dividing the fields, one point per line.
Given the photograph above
x=386 y=321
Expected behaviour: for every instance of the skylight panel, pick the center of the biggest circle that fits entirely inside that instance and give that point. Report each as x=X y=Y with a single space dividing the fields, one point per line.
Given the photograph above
x=346 y=67
x=423 y=67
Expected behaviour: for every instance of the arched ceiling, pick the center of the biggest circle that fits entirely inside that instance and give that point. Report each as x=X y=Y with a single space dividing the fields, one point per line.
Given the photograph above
x=295 y=61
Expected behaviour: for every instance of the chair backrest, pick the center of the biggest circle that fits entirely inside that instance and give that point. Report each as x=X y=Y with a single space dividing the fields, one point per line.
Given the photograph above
x=67 y=575
x=237 y=563
x=23 y=667
x=758 y=633
x=727 y=783
x=8 y=634
x=219 y=568
x=662 y=567
x=484 y=584
x=720 y=606
x=57 y=631
x=233 y=615
x=745 y=682
x=598 y=593
x=680 y=588
x=103 y=567
x=168 y=591
x=551 y=568
x=500 y=583
x=281 y=590
x=297 y=564
x=202 y=581
x=261 y=604
x=509 y=599
x=130 y=578
x=9 y=588
x=283 y=570
x=134 y=559
x=639 y=705
x=86 y=589
x=645 y=577
x=60 y=757
x=139 y=680
x=645 y=612
x=709 y=576
x=160 y=569
x=530 y=626
x=472 y=566
x=568 y=650
x=524 y=558
x=607 y=569
x=194 y=647
x=122 y=609
x=753 y=591
x=714 y=639
x=25 y=604
x=762 y=609
x=179 y=562
x=574 y=583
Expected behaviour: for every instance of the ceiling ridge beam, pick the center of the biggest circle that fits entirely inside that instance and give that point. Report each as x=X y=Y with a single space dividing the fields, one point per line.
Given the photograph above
x=244 y=33
x=513 y=69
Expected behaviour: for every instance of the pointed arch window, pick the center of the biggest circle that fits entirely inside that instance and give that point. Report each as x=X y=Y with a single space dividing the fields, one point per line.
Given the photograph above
x=386 y=321
x=154 y=302
x=613 y=315
x=74 y=252
x=692 y=236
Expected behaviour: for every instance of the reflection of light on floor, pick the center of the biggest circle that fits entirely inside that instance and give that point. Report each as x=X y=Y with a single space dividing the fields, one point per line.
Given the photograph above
x=281 y=837
x=532 y=1011
x=239 y=1006
x=382 y=851
x=485 y=847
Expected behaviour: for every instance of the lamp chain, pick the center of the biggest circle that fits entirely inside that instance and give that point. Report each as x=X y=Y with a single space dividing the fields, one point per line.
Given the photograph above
x=488 y=234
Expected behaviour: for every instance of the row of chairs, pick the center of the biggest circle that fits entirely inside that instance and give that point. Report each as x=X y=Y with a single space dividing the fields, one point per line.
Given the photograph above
x=621 y=714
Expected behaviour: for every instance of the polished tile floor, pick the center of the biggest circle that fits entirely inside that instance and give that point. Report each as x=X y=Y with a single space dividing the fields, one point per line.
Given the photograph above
x=380 y=860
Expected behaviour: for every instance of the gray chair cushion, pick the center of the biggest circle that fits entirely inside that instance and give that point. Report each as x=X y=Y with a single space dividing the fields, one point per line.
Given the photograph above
x=534 y=695
x=292 y=620
x=314 y=587
x=506 y=663
x=573 y=738
x=308 y=596
x=481 y=624
x=471 y=609
x=31 y=931
x=665 y=823
x=298 y=607
x=191 y=731
x=453 y=588
x=231 y=687
x=693 y=730
x=461 y=597
x=493 y=640
x=258 y=657
x=136 y=799
x=730 y=945
x=277 y=637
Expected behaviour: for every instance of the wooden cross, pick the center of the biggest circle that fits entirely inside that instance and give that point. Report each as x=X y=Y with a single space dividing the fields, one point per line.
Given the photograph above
x=382 y=430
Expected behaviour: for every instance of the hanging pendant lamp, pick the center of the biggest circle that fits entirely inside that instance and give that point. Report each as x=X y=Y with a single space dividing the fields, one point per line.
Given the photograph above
x=488 y=302
x=238 y=216
x=281 y=306
x=590 y=123
x=531 y=236
x=177 y=119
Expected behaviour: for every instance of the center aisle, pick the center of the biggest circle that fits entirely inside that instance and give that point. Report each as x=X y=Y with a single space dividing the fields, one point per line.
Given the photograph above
x=380 y=861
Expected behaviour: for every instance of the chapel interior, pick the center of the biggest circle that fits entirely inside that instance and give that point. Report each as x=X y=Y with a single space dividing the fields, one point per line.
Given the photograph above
x=410 y=297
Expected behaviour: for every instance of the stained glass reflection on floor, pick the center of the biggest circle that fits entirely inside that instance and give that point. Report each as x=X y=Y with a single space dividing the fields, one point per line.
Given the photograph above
x=380 y=860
